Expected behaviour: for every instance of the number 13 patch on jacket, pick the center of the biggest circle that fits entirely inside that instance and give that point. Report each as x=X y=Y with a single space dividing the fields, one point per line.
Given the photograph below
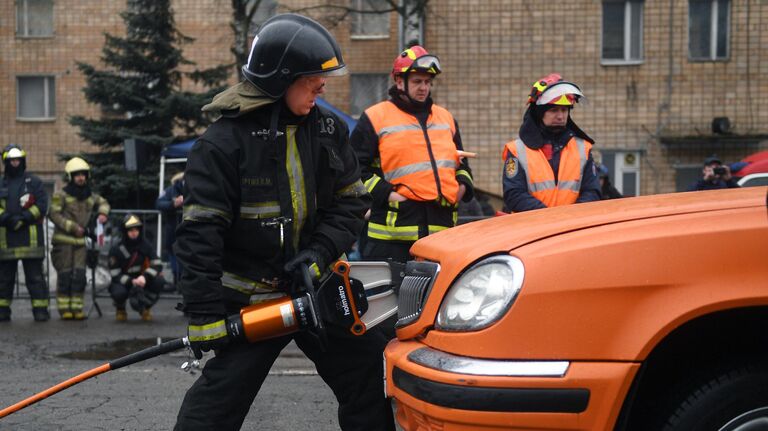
x=510 y=167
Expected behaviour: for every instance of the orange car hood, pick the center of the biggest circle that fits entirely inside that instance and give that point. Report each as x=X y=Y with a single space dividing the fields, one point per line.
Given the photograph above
x=459 y=246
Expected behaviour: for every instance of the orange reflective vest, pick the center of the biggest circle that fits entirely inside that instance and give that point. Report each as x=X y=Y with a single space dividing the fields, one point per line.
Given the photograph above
x=420 y=163
x=541 y=178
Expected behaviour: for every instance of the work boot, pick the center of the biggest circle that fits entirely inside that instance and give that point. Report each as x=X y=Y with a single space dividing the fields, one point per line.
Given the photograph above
x=121 y=315
x=78 y=315
x=66 y=315
x=5 y=314
x=146 y=315
x=40 y=314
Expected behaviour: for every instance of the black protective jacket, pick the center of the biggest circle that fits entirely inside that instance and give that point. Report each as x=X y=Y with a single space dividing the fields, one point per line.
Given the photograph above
x=239 y=191
x=131 y=259
x=23 y=206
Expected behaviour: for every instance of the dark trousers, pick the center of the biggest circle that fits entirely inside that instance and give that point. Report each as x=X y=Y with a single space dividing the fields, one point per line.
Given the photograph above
x=139 y=298
x=352 y=367
x=33 y=277
x=382 y=250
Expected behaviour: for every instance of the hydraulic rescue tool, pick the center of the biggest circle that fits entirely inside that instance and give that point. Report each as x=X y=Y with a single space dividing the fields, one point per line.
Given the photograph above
x=356 y=296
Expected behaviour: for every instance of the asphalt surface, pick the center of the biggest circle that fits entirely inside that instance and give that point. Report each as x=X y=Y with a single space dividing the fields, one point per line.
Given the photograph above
x=143 y=396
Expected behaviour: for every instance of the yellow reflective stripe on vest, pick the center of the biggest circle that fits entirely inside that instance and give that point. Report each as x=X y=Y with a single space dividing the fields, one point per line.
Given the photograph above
x=389 y=233
x=200 y=213
x=392 y=213
x=354 y=190
x=417 y=167
x=296 y=181
x=371 y=183
x=244 y=285
x=211 y=331
x=35 y=211
x=259 y=210
x=435 y=228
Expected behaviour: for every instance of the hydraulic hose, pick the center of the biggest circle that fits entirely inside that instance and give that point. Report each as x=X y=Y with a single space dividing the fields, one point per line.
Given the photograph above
x=142 y=355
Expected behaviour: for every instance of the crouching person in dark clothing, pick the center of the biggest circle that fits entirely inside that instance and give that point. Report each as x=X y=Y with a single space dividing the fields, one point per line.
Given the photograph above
x=135 y=271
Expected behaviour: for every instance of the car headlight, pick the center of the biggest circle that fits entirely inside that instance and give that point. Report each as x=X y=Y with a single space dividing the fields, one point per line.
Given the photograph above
x=482 y=294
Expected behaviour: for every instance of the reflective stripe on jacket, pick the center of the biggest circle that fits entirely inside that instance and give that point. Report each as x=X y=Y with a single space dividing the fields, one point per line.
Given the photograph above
x=541 y=178
x=420 y=162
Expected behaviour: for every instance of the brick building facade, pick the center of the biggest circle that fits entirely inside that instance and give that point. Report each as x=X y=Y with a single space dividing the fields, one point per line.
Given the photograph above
x=654 y=77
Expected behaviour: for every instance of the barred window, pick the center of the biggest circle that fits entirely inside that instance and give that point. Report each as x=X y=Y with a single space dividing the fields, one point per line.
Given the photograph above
x=35 y=97
x=370 y=21
x=34 y=18
x=367 y=89
x=622 y=31
x=708 y=29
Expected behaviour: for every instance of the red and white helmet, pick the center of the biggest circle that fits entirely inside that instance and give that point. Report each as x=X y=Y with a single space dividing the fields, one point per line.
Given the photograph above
x=416 y=59
x=552 y=90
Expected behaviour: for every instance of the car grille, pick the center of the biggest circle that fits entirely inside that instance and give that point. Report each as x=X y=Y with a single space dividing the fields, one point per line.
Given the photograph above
x=414 y=290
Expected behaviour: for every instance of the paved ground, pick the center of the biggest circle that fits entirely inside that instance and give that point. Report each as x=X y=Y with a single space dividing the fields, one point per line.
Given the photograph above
x=144 y=396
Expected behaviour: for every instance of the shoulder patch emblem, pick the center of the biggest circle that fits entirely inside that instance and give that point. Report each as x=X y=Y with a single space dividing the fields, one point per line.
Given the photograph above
x=510 y=167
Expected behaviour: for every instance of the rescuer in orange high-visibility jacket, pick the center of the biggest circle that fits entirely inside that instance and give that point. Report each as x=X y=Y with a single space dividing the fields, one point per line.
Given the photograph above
x=550 y=164
x=407 y=148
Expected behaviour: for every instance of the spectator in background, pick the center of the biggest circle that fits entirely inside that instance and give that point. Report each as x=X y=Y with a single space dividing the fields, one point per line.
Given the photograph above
x=607 y=189
x=135 y=271
x=715 y=175
x=551 y=163
x=23 y=205
x=170 y=203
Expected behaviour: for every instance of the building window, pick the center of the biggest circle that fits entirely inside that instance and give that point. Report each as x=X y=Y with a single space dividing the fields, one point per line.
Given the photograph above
x=622 y=31
x=34 y=18
x=367 y=89
x=708 y=29
x=35 y=97
x=369 y=20
x=265 y=9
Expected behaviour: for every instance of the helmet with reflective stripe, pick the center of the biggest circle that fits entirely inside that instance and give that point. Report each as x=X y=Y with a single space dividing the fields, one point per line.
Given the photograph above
x=13 y=151
x=131 y=221
x=552 y=90
x=416 y=59
x=287 y=47
x=75 y=165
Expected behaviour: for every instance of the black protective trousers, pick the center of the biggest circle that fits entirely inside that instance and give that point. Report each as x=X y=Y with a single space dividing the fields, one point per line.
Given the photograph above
x=139 y=298
x=351 y=366
x=33 y=277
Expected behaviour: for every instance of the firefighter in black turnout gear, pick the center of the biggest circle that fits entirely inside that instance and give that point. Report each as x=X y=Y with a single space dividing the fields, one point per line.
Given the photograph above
x=273 y=183
x=135 y=271
x=23 y=205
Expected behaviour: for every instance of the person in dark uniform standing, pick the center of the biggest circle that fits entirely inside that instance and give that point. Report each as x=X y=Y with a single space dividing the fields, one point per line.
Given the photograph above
x=271 y=185
x=409 y=151
x=170 y=202
x=550 y=163
x=23 y=206
x=135 y=271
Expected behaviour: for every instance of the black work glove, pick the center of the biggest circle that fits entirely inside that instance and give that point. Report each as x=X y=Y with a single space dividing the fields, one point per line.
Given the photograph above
x=309 y=256
x=16 y=222
x=207 y=332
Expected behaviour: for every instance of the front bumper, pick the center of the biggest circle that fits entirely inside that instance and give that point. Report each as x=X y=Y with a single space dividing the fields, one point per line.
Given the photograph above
x=438 y=391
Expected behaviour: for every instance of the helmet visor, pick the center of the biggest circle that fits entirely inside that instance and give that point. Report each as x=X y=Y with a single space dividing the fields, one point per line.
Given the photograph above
x=426 y=63
x=325 y=73
x=554 y=93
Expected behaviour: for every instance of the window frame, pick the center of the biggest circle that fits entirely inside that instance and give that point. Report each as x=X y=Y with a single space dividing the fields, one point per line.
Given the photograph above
x=26 y=35
x=627 y=60
x=48 y=117
x=386 y=81
x=713 y=29
x=358 y=5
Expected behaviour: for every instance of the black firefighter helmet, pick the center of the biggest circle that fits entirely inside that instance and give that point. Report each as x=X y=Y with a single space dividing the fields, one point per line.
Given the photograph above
x=289 y=46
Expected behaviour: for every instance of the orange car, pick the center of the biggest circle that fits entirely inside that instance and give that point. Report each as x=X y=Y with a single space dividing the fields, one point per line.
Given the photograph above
x=629 y=314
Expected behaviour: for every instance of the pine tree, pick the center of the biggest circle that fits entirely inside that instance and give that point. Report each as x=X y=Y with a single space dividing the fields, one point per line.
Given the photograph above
x=140 y=96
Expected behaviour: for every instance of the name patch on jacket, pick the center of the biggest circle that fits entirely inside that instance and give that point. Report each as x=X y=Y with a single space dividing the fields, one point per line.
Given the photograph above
x=256 y=181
